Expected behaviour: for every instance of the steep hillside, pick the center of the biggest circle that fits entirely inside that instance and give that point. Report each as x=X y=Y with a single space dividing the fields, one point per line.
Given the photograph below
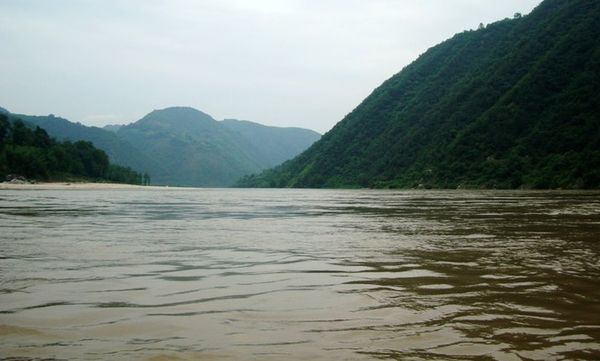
x=514 y=104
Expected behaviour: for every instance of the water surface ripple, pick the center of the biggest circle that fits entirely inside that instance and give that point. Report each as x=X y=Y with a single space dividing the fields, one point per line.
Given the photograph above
x=204 y=274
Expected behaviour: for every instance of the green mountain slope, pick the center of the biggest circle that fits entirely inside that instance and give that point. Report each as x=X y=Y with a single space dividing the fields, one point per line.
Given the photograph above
x=118 y=150
x=183 y=146
x=515 y=104
x=194 y=149
x=190 y=146
x=275 y=144
x=31 y=153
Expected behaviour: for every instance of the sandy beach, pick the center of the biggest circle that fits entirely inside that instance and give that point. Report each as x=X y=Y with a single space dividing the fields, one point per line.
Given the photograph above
x=66 y=185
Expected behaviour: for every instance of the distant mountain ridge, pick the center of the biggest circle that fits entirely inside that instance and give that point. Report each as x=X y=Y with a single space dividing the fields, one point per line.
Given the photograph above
x=515 y=104
x=275 y=144
x=191 y=147
x=27 y=153
x=185 y=147
x=119 y=151
x=195 y=149
x=112 y=127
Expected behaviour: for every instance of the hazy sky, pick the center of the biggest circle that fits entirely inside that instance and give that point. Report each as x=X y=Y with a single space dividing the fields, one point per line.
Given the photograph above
x=278 y=62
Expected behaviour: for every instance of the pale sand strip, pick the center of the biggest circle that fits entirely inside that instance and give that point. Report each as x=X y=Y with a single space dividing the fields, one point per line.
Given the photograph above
x=64 y=185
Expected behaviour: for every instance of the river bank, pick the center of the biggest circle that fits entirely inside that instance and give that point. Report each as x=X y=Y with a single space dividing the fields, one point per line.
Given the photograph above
x=73 y=185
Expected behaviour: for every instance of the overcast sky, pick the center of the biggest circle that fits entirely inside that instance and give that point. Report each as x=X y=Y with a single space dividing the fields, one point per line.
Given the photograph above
x=278 y=62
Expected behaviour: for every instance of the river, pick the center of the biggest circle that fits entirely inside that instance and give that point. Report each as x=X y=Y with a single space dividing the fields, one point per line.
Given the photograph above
x=236 y=274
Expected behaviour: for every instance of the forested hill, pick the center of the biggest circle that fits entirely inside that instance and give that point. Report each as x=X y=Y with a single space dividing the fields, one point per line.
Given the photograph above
x=31 y=153
x=513 y=104
x=194 y=149
x=275 y=144
x=118 y=150
x=186 y=147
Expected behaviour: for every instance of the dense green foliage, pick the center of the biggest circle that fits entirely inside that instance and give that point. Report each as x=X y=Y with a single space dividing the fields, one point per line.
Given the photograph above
x=513 y=104
x=33 y=154
x=185 y=147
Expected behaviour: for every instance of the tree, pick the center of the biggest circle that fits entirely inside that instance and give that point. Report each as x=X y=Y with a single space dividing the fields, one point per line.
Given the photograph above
x=4 y=129
x=33 y=154
x=21 y=135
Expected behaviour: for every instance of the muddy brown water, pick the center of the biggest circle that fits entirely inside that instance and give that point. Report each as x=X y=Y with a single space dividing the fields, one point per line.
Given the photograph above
x=233 y=274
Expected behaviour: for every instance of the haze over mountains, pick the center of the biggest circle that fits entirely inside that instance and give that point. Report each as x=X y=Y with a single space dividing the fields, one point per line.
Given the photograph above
x=513 y=104
x=182 y=146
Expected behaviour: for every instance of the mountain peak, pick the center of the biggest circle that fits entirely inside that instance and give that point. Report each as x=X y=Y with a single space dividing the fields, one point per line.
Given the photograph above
x=181 y=113
x=180 y=110
x=176 y=118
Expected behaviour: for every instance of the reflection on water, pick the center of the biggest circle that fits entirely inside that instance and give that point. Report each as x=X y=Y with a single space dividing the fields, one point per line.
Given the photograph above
x=299 y=274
